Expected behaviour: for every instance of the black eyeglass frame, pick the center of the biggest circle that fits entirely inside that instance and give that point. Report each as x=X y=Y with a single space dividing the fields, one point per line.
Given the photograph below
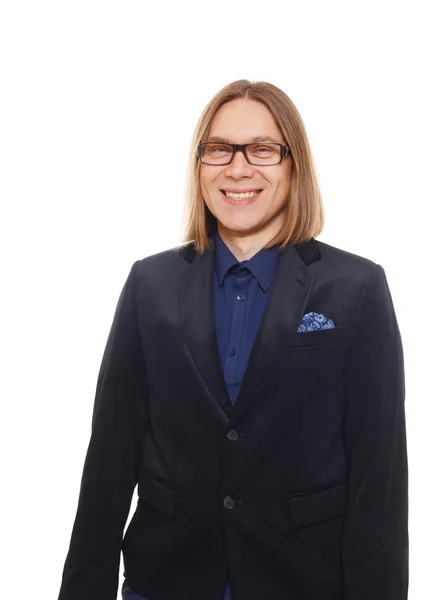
x=285 y=151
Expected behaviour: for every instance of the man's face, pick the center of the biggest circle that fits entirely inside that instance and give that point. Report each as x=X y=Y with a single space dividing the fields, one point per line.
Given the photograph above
x=238 y=121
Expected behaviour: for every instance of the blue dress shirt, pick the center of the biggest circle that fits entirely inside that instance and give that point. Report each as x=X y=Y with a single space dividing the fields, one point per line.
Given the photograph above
x=241 y=290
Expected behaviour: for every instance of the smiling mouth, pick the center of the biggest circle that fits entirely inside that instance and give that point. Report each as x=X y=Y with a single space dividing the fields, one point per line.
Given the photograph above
x=242 y=195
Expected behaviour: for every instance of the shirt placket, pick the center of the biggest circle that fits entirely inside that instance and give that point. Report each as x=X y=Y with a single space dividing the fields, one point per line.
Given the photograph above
x=242 y=278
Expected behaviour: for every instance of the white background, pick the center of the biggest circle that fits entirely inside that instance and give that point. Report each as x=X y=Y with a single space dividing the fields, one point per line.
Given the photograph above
x=91 y=94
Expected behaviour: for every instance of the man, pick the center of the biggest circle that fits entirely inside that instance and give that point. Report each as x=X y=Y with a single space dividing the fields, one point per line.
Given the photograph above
x=253 y=386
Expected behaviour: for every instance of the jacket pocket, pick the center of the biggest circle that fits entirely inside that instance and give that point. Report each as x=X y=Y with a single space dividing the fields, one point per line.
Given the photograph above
x=158 y=494
x=315 y=507
x=319 y=337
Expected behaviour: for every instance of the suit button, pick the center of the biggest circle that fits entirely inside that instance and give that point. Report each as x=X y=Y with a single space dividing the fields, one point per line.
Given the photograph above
x=229 y=502
x=232 y=435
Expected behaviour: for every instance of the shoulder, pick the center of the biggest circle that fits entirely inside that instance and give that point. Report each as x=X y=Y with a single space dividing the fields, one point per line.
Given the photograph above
x=351 y=279
x=161 y=264
x=344 y=264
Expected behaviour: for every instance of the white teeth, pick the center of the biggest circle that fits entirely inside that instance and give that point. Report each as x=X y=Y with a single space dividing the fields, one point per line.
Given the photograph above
x=241 y=196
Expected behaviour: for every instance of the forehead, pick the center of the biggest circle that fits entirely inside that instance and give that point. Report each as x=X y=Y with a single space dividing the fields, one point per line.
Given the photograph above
x=241 y=120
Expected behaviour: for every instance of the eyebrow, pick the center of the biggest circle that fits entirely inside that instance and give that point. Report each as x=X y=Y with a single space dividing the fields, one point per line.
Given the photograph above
x=258 y=138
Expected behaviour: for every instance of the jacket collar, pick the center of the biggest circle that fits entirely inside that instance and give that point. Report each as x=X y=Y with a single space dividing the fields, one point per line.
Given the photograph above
x=308 y=251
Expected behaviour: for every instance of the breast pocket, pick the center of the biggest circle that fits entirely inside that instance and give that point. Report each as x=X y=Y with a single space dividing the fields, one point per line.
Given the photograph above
x=318 y=337
x=310 y=508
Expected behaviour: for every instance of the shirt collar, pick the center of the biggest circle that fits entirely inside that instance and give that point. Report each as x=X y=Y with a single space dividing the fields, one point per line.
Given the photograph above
x=262 y=265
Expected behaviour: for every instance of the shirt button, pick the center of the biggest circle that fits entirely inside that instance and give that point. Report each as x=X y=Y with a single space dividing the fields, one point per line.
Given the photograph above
x=240 y=296
x=231 y=352
x=228 y=502
x=232 y=435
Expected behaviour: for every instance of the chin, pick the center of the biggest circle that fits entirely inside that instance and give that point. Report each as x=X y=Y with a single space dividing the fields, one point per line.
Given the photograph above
x=237 y=227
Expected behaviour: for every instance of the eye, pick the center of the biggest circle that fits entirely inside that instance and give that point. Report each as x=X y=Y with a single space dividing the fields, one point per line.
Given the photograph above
x=263 y=150
x=217 y=149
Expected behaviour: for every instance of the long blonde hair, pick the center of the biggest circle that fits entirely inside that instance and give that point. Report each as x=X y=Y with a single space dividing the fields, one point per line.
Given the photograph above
x=304 y=214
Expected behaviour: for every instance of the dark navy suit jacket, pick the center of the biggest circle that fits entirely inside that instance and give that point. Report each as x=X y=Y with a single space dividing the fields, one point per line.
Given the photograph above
x=295 y=488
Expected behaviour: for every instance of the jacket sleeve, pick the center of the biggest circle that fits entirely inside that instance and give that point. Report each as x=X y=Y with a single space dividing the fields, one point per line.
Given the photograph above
x=375 y=543
x=112 y=461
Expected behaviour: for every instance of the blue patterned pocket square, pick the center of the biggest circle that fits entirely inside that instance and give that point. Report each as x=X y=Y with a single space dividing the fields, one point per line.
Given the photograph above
x=313 y=321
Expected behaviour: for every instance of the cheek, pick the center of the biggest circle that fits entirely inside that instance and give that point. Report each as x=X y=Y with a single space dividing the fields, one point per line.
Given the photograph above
x=205 y=183
x=205 y=192
x=284 y=184
x=203 y=186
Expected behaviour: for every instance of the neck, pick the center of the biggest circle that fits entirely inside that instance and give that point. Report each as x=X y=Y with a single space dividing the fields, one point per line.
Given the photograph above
x=243 y=247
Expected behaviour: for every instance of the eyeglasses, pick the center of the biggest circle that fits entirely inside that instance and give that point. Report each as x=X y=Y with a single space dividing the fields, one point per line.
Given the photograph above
x=260 y=154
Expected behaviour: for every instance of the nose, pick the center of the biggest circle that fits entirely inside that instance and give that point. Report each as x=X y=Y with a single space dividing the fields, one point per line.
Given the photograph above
x=239 y=166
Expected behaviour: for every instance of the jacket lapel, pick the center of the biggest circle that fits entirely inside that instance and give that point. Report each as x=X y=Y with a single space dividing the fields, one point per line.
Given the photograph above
x=285 y=307
x=197 y=320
